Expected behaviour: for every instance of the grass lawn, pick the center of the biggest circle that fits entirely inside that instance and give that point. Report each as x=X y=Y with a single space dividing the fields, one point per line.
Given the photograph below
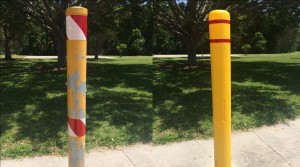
x=34 y=113
x=265 y=90
x=130 y=100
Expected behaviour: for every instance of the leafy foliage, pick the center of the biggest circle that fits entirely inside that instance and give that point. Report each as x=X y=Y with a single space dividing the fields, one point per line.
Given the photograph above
x=287 y=40
x=136 y=42
x=245 y=48
x=165 y=26
x=121 y=48
x=259 y=42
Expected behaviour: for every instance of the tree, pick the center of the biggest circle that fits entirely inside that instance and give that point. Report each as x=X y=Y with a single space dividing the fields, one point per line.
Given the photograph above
x=102 y=29
x=137 y=14
x=11 y=23
x=50 y=15
x=186 y=21
x=276 y=20
x=189 y=20
x=162 y=41
x=136 y=41
x=245 y=48
x=35 y=41
x=259 y=42
x=121 y=48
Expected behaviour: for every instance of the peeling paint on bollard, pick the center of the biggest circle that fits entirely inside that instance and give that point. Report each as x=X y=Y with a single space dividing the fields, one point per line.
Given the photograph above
x=77 y=153
x=76 y=27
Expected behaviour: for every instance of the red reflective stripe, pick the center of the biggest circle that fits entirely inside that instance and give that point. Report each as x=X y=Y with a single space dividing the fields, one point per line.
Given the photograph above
x=219 y=41
x=77 y=126
x=219 y=21
x=81 y=22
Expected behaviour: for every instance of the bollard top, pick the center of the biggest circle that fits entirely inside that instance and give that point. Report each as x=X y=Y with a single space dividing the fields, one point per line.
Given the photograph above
x=219 y=15
x=77 y=10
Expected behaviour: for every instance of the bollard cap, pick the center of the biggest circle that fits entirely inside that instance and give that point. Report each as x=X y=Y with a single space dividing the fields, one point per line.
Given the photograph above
x=219 y=15
x=76 y=10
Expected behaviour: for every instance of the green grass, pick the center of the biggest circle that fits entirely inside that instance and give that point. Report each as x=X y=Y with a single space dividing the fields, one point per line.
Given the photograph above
x=34 y=113
x=265 y=91
x=130 y=100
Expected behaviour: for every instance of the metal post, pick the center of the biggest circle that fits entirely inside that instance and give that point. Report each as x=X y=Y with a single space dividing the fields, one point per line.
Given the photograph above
x=219 y=33
x=76 y=24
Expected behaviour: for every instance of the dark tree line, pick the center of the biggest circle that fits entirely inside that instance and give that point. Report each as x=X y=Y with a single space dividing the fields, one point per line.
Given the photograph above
x=260 y=25
x=134 y=27
x=111 y=22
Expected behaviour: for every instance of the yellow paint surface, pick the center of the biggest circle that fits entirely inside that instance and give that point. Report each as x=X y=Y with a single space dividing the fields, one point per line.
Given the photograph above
x=76 y=62
x=221 y=88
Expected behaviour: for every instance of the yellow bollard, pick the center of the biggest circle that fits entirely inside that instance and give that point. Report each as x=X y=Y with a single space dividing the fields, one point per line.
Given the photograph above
x=76 y=28
x=219 y=34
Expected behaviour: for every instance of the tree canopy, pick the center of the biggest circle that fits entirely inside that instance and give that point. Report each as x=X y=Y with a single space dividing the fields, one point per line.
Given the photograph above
x=148 y=26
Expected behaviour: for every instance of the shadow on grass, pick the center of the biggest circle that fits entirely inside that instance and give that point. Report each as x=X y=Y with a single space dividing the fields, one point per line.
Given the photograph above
x=182 y=100
x=119 y=102
x=32 y=109
x=263 y=93
x=285 y=75
x=34 y=113
x=268 y=91
x=122 y=98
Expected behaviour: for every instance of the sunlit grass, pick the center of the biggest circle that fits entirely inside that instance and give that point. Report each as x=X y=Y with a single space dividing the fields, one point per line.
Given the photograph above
x=130 y=100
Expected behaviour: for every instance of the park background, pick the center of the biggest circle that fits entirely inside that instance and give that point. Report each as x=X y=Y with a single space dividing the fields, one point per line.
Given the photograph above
x=137 y=98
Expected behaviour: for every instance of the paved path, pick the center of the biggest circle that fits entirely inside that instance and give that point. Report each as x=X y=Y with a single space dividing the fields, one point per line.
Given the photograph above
x=275 y=146
x=114 y=57
x=55 y=57
x=185 y=55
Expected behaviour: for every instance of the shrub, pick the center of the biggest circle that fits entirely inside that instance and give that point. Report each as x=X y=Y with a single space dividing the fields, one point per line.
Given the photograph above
x=259 y=43
x=121 y=48
x=245 y=48
x=136 y=41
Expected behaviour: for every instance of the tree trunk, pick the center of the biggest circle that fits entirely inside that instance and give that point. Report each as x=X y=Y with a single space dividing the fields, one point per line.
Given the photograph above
x=7 y=43
x=61 y=53
x=62 y=59
x=60 y=47
x=191 y=50
x=192 y=59
x=97 y=48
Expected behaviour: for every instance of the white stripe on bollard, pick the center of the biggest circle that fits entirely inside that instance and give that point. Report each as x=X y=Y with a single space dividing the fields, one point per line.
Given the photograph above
x=83 y=120
x=74 y=32
x=70 y=131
